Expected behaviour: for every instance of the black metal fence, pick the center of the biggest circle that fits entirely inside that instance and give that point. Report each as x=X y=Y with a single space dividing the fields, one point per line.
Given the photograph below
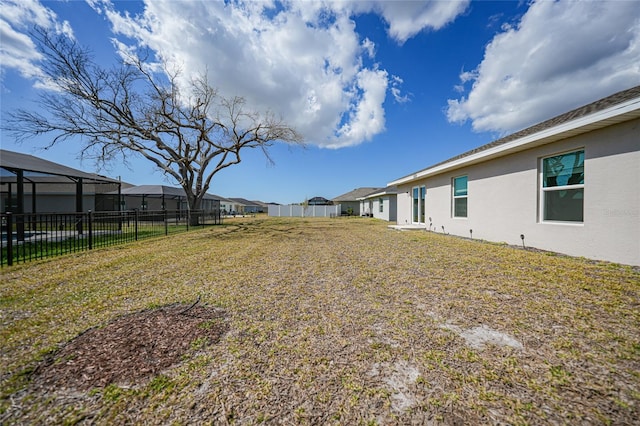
x=26 y=237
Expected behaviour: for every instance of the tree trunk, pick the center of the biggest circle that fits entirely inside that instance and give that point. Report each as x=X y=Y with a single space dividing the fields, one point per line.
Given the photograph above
x=125 y=109
x=195 y=212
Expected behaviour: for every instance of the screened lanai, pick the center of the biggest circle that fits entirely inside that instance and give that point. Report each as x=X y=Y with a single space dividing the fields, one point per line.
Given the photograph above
x=29 y=184
x=161 y=197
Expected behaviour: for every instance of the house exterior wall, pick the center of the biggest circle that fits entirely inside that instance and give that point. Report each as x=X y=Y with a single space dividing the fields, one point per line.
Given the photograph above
x=61 y=203
x=366 y=207
x=388 y=212
x=59 y=197
x=392 y=208
x=377 y=202
x=232 y=207
x=403 y=209
x=50 y=198
x=355 y=205
x=153 y=203
x=504 y=198
x=54 y=203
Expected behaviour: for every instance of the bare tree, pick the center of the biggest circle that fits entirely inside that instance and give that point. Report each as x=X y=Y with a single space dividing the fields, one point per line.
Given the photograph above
x=130 y=109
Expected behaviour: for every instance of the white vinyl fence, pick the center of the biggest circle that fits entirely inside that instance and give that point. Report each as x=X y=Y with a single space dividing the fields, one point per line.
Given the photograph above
x=292 y=210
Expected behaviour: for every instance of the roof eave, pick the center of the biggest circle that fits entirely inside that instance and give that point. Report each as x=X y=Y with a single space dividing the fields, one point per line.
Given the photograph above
x=616 y=114
x=378 y=194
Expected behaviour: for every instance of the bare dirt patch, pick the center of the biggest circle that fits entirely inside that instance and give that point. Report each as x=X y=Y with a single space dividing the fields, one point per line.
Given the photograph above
x=131 y=348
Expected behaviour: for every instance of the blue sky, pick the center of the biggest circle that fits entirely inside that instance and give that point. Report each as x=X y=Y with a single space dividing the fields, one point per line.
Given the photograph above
x=378 y=89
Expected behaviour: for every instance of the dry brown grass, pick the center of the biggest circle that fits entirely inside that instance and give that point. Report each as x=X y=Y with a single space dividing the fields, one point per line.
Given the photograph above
x=337 y=321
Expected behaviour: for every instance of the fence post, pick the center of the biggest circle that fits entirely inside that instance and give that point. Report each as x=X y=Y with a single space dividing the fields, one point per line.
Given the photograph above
x=90 y=226
x=9 y=239
x=166 y=223
x=135 y=223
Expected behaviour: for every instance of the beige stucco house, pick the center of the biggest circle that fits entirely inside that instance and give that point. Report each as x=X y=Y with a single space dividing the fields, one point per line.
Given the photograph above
x=380 y=204
x=350 y=201
x=570 y=184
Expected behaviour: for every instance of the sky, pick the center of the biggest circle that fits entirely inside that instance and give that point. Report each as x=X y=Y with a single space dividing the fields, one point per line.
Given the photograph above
x=378 y=89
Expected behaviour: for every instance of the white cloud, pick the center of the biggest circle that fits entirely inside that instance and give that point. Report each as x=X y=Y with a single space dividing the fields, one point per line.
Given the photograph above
x=369 y=47
x=406 y=18
x=561 y=55
x=17 y=50
x=367 y=117
x=303 y=60
x=396 y=82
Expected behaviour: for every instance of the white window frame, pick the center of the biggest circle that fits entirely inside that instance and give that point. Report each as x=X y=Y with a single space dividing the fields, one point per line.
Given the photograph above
x=418 y=216
x=455 y=197
x=545 y=190
x=381 y=207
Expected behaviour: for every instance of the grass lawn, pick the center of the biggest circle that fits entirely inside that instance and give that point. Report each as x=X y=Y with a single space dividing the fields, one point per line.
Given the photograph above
x=334 y=321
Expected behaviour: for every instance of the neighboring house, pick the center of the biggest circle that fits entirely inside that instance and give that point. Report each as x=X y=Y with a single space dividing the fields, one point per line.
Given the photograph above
x=262 y=207
x=244 y=206
x=226 y=205
x=569 y=185
x=236 y=206
x=29 y=184
x=381 y=203
x=161 y=197
x=319 y=201
x=350 y=200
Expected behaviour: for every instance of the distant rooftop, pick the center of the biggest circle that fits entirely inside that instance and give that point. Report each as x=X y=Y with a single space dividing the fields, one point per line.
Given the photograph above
x=389 y=190
x=160 y=191
x=243 y=201
x=355 y=194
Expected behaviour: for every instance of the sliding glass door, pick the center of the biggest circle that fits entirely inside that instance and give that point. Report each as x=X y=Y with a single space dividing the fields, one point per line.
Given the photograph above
x=419 y=198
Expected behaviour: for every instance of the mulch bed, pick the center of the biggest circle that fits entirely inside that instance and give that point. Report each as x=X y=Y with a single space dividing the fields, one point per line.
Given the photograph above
x=131 y=348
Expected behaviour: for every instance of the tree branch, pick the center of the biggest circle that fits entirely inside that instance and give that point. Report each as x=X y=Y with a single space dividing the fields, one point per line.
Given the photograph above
x=130 y=109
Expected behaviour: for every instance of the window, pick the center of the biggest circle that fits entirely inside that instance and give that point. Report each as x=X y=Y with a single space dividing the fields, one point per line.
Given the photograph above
x=381 y=201
x=562 y=196
x=460 y=196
